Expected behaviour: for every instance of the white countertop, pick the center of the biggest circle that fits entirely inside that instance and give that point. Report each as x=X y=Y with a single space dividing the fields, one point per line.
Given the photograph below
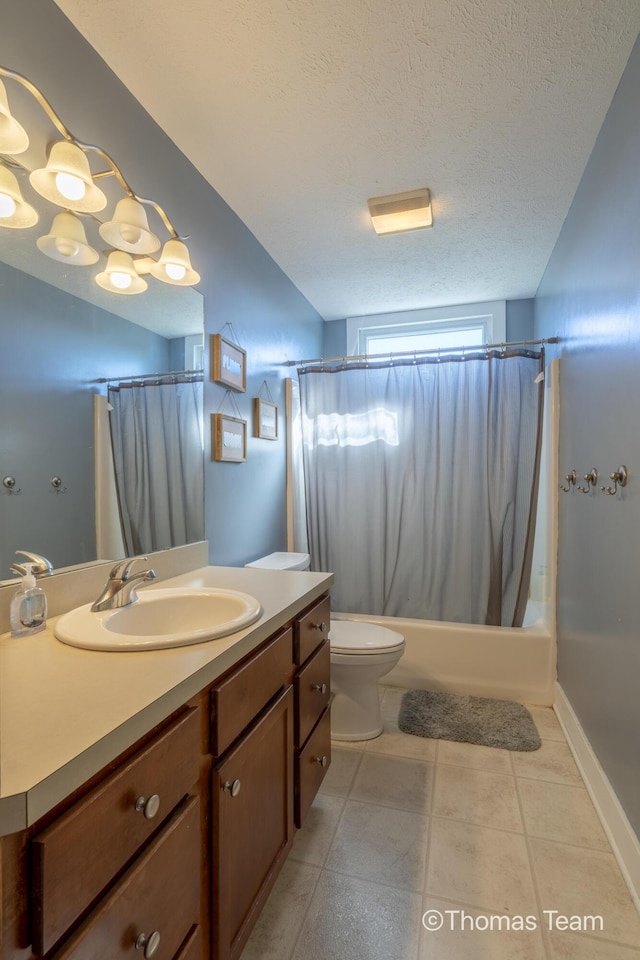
x=65 y=713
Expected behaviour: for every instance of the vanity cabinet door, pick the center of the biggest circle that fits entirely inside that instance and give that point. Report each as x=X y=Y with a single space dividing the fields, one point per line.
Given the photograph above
x=252 y=802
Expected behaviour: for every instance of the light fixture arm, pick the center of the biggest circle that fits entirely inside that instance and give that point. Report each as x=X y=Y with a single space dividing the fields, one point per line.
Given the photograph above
x=89 y=148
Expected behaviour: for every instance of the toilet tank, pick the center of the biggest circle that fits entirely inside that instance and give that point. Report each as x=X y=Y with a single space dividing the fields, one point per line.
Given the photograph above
x=282 y=561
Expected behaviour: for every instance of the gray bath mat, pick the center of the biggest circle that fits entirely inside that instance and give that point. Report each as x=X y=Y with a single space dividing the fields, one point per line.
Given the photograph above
x=482 y=720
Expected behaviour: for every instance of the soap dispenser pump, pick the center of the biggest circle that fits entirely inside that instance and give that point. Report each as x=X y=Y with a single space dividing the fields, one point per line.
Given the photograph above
x=28 y=612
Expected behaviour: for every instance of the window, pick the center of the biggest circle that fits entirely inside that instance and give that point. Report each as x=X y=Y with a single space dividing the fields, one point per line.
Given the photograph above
x=472 y=324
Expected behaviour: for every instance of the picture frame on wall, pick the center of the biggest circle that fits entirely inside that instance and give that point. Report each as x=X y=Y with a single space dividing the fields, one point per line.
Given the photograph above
x=265 y=419
x=228 y=438
x=228 y=363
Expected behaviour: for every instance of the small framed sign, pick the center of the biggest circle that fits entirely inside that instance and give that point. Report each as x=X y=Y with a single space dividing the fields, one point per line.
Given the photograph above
x=228 y=363
x=265 y=419
x=228 y=438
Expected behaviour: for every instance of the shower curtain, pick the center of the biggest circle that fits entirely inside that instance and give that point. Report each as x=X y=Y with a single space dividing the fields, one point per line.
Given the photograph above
x=156 y=431
x=421 y=483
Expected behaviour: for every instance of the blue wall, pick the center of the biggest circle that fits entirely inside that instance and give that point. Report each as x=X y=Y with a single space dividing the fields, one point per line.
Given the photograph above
x=244 y=503
x=590 y=297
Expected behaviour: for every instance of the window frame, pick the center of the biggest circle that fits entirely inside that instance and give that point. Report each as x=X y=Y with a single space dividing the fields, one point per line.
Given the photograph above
x=491 y=315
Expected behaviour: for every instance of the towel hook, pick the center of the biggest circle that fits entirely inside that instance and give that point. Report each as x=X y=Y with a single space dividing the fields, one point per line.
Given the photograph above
x=9 y=483
x=591 y=480
x=619 y=478
x=571 y=479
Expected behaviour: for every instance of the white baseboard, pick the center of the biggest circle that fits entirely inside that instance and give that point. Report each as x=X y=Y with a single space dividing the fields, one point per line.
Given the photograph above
x=622 y=837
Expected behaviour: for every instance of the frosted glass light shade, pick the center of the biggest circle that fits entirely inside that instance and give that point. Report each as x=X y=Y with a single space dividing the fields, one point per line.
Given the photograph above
x=129 y=228
x=13 y=136
x=399 y=212
x=68 y=168
x=67 y=242
x=15 y=212
x=120 y=275
x=174 y=265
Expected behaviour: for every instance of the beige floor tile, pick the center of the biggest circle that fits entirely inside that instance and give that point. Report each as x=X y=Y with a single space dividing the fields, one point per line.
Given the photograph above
x=352 y=919
x=311 y=843
x=394 y=782
x=381 y=845
x=472 y=755
x=553 y=761
x=390 y=703
x=572 y=946
x=341 y=772
x=278 y=926
x=488 y=799
x=463 y=936
x=557 y=811
x=399 y=744
x=547 y=723
x=580 y=882
x=480 y=866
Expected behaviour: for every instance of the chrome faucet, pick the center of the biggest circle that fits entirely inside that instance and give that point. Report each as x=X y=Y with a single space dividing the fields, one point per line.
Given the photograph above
x=40 y=566
x=119 y=590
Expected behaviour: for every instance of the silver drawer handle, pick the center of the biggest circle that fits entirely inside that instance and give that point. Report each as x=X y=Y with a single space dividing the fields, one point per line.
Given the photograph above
x=232 y=788
x=148 y=807
x=320 y=687
x=321 y=760
x=319 y=626
x=149 y=943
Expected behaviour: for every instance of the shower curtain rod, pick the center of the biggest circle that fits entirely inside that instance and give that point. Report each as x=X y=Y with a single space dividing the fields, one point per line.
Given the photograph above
x=152 y=376
x=421 y=353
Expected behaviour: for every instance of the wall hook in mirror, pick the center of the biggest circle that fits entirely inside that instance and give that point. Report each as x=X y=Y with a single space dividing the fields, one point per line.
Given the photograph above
x=619 y=478
x=571 y=479
x=56 y=483
x=9 y=483
x=591 y=479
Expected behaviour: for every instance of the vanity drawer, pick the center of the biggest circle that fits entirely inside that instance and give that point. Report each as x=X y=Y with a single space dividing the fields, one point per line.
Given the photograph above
x=312 y=764
x=159 y=894
x=75 y=858
x=238 y=699
x=311 y=630
x=313 y=691
x=191 y=949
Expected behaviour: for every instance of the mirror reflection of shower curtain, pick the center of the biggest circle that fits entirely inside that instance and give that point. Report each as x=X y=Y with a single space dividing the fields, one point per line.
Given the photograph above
x=421 y=484
x=157 y=431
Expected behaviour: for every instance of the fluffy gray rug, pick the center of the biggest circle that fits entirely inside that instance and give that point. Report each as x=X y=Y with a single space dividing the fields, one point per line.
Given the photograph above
x=482 y=720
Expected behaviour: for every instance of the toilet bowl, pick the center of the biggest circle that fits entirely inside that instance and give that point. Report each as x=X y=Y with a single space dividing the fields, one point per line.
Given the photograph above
x=361 y=653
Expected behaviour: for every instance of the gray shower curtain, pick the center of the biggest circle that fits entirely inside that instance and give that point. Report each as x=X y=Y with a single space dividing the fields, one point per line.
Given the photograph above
x=421 y=483
x=156 y=435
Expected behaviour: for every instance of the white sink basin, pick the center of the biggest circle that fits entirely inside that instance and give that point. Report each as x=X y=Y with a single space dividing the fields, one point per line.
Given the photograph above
x=160 y=618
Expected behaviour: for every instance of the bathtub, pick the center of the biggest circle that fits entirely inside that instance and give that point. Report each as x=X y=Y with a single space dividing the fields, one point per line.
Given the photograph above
x=511 y=663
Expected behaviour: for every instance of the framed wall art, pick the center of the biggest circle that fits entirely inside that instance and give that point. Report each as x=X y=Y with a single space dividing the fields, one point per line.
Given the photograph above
x=228 y=438
x=228 y=363
x=265 y=419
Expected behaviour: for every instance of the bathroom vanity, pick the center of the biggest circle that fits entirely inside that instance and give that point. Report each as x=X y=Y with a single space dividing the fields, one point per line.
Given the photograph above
x=160 y=791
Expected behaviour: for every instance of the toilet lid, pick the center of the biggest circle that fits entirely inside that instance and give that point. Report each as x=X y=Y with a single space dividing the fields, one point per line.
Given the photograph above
x=353 y=636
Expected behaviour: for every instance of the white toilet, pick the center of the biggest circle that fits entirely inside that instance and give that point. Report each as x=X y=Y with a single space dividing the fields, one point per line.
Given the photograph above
x=361 y=653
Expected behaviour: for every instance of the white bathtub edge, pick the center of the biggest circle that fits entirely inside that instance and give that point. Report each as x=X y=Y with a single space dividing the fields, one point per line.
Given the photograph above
x=620 y=833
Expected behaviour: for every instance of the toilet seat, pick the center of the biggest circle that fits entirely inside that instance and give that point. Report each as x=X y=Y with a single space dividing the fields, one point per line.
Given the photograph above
x=354 y=638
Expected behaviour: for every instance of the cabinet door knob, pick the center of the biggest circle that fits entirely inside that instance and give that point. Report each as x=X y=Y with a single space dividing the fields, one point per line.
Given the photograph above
x=321 y=760
x=149 y=943
x=149 y=807
x=233 y=788
x=320 y=687
x=319 y=626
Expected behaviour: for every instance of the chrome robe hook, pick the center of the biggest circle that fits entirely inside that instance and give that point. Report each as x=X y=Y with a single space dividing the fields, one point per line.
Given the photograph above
x=591 y=481
x=619 y=478
x=571 y=479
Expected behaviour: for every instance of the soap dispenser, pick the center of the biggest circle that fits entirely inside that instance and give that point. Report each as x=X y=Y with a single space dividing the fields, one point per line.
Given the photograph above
x=28 y=612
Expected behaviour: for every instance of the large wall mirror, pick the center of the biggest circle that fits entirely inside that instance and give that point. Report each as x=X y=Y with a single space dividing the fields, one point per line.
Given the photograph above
x=60 y=336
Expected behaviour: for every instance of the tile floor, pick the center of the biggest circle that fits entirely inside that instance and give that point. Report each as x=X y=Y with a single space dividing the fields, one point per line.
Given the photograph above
x=403 y=826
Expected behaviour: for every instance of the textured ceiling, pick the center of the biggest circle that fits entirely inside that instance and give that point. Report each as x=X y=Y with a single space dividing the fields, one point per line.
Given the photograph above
x=297 y=111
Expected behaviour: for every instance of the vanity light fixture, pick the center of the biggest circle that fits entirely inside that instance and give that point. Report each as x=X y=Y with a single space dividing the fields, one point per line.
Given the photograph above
x=13 y=136
x=399 y=212
x=129 y=228
x=67 y=242
x=15 y=212
x=120 y=275
x=68 y=181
